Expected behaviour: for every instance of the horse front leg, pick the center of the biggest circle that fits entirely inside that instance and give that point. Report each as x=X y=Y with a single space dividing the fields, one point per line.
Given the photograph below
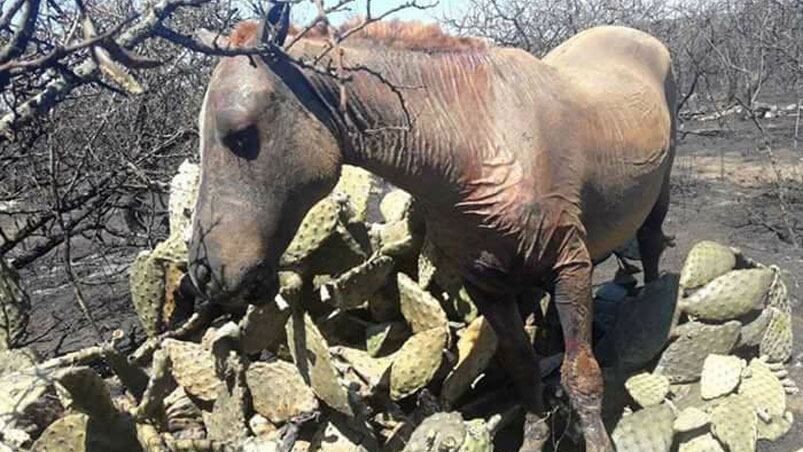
x=518 y=359
x=580 y=372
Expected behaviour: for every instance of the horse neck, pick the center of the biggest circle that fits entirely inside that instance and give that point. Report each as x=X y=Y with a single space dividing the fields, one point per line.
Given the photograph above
x=419 y=121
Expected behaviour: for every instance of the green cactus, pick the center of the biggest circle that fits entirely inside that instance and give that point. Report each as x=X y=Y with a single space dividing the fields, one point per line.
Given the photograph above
x=311 y=354
x=421 y=310
x=416 y=362
x=183 y=192
x=777 y=341
x=776 y=427
x=357 y=183
x=441 y=432
x=433 y=266
x=720 y=375
x=683 y=360
x=647 y=389
x=368 y=372
x=148 y=291
x=193 y=368
x=227 y=422
x=16 y=360
x=172 y=249
x=23 y=388
x=15 y=307
x=706 y=261
x=734 y=423
x=82 y=433
x=278 y=391
x=643 y=325
x=394 y=205
x=475 y=348
x=691 y=419
x=645 y=430
x=151 y=406
x=396 y=239
x=383 y=338
x=753 y=331
x=702 y=443
x=318 y=225
x=88 y=392
x=730 y=296
x=354 y=287
x=181 y=413
x=262 y=327
x=764 y=390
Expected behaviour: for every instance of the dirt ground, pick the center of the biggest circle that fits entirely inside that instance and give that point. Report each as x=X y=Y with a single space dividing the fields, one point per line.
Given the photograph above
x=723 y=189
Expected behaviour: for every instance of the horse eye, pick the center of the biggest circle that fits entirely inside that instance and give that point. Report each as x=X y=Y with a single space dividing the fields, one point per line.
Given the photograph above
x=244 y=142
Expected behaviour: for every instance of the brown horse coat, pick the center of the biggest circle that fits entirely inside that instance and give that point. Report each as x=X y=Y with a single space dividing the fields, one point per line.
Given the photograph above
x=527 y=170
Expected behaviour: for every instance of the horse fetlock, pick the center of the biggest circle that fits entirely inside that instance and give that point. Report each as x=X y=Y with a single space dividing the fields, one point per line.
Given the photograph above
x=536 y=433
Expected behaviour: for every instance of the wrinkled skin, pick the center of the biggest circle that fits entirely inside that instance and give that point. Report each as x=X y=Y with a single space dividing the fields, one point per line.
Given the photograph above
x=527 y=171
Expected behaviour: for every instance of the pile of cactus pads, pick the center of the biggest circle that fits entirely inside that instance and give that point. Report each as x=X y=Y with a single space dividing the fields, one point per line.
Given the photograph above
x=373 y=344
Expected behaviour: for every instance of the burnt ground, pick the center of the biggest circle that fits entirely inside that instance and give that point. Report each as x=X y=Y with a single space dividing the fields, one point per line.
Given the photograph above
x=723 y=189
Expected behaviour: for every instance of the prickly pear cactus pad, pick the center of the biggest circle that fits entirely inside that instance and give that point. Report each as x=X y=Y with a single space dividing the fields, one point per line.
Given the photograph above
x=421 y=310
x=394 y=205
x=183 y=192
x=731 y=295
x=702 y=443
x=172 y=249
x=279 y=392
x=720 y=376
x=14 y=305
x=311 y=355
x=16 y=360
x=227 y=422
x=647 y=389
x=81 y=433
x=416 y=362
x=647 y=430
x=475 y=348
x=683 y=360
x=21 y=389
x=383 y=338
x=753 y=331
x=356 y=183
x=777 y=340
x=262 y=327
x=764 y=390
x=644 y=324
x=706 y=261
x=88 y=392
x=439 y=432
x=690 y=419
x=734 y=423
x=148 y=291
x=368 y=370
x=353 y=288
x=193 y=368
x=318 y=225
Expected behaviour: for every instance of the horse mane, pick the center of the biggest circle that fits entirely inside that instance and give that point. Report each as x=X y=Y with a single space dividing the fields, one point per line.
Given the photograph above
x=394 y=34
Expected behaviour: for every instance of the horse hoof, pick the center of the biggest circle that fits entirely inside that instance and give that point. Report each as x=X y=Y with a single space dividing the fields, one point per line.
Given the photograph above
x=536 y=432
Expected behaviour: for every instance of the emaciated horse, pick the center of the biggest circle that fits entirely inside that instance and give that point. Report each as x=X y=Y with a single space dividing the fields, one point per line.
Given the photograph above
x=527 y=170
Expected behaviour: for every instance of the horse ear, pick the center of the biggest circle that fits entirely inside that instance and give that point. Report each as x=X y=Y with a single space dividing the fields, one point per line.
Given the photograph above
x=277 y=23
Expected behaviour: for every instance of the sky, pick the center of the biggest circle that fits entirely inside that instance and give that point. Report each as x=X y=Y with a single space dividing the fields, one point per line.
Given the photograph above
x=306 y=11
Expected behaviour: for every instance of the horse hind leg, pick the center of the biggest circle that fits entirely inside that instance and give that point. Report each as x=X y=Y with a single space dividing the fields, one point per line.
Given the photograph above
x=651 y=238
